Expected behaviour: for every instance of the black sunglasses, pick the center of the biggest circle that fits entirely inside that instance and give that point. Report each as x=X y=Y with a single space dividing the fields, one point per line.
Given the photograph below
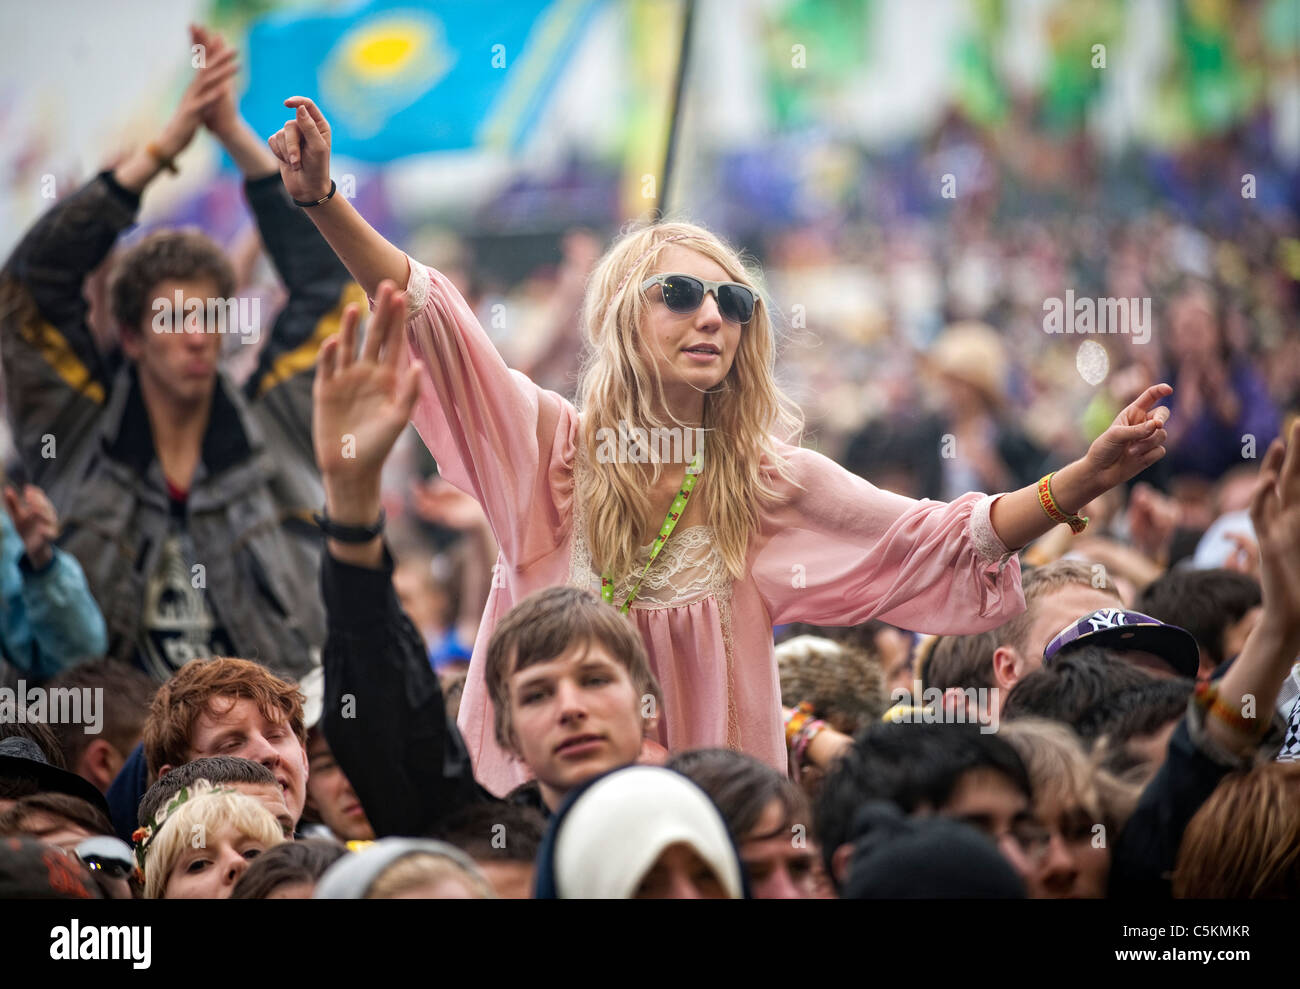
x=683 y=294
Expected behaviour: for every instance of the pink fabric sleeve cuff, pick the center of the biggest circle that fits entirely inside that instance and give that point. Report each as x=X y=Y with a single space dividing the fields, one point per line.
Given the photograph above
x=417 y=288
x=984 y=537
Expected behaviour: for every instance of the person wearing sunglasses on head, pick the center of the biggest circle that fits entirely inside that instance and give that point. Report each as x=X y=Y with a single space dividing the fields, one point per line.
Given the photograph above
x=676 y=487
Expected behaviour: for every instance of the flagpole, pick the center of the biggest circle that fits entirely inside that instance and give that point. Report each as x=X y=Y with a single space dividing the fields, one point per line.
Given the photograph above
x=670 y=152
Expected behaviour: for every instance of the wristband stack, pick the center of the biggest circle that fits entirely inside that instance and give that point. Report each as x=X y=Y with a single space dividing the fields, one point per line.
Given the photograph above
x=1208 y=700
x=800 y=729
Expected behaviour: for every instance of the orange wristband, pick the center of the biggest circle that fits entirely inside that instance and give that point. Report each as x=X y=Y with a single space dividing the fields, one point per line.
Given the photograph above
x=161 y=158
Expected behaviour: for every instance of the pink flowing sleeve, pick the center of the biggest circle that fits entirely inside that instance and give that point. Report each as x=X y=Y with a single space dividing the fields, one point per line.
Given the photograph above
x=495 y=434
x=840 y=551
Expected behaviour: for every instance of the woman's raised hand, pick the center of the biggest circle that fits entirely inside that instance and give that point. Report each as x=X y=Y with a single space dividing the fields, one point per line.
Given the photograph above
x=1134 y=441
x=302 y=147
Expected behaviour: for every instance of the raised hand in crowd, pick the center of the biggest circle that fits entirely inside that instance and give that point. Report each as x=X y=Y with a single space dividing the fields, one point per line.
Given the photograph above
x=1152 y=519
x=36 y=521
x=221 y=116
x=209 y=87
x=361 y=403
x=1251 y=684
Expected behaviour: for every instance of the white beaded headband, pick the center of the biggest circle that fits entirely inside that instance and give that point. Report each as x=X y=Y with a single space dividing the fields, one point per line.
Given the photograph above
x=648 y=251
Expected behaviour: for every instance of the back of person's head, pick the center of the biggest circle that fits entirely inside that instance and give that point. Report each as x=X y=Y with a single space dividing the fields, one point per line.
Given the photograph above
x=490 y=830
x=915 y=766
x=39 y=813
x=288 y=871
x=1084 y=679
x=896 y=857
x=123 y=695
x=503 y=839
x=1244 y=842
x=219 y=770
x=1205 y=602
x=168 y=732
x=166 y=255
x=961 y=661
x=546 y=625
x=404 y=868
x=844 y=684
x=1129 y=726
x=743 y=788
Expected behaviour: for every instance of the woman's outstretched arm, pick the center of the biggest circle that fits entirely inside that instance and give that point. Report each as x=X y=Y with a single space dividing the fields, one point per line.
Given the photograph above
x=1134 y=441
x=302 y=147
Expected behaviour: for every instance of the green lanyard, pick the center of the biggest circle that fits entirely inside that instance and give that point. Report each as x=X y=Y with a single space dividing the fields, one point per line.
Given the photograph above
x=665 y=530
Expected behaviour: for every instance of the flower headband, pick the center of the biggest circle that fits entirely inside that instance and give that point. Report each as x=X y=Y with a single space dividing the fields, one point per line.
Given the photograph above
x=143 y=836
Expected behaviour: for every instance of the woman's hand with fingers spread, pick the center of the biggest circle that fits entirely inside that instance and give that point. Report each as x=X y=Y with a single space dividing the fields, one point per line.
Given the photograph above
x=1134 y=441
x=361 y=404
x=302 y=147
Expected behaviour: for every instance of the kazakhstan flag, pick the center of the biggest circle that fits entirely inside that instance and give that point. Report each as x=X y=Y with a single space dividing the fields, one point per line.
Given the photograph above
x=397 y=79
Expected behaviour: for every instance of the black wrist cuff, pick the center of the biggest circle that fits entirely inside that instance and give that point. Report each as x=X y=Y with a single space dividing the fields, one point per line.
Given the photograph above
x=349 y=533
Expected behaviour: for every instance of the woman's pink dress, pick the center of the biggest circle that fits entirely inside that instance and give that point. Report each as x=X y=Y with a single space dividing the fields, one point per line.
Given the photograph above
x=838 y=552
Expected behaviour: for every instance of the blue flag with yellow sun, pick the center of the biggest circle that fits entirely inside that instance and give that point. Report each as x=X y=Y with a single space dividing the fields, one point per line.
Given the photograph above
x=396 y=79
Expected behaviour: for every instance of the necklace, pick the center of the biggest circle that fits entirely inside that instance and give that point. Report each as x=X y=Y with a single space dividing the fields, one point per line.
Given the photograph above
x=670 y=523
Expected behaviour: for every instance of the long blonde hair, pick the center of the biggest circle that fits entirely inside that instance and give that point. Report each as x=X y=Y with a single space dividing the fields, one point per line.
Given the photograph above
x=618 y=384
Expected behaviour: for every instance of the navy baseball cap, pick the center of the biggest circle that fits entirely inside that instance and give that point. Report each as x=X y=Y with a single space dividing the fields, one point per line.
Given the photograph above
x=1115 y=628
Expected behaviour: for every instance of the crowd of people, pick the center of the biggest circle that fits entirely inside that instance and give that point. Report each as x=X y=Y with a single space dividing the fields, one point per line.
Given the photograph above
x=617 y=671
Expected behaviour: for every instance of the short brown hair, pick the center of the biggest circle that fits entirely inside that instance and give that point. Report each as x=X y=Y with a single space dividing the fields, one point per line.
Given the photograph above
x=961 y=661
x=1244 y=842
x=72 y=809
x=127 y=694
x=162 y=256
x=543 y=626
x=181 y=700
x=1040 y=582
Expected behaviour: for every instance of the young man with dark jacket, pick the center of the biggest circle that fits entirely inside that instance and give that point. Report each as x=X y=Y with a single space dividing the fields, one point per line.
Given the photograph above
x=186 y=499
